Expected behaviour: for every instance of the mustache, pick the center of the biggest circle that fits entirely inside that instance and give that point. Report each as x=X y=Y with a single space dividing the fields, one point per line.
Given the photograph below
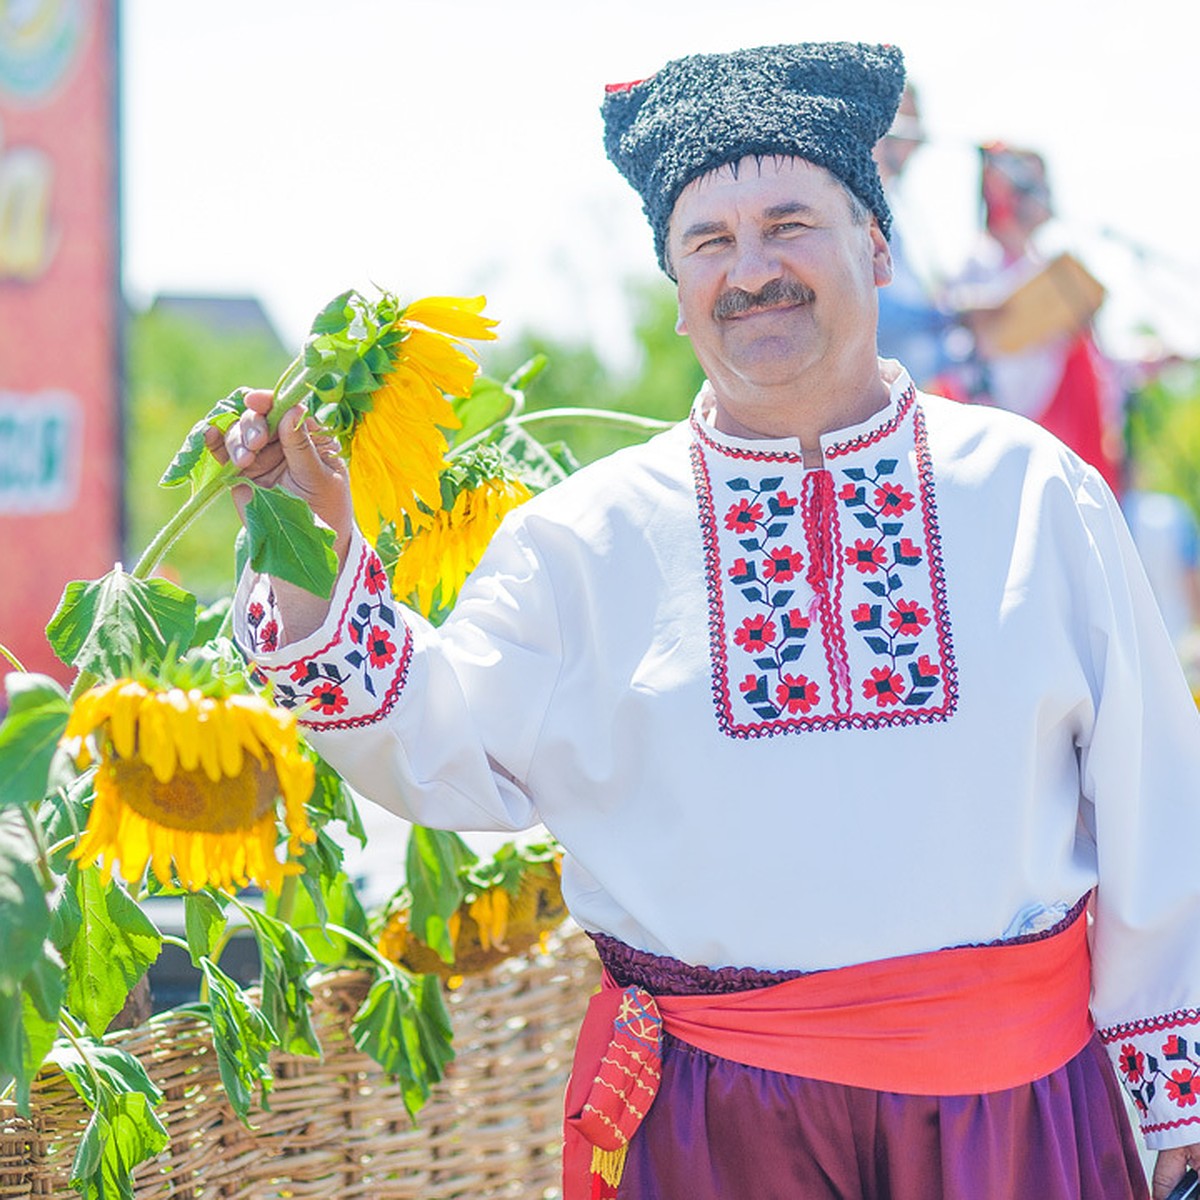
x=778 y=291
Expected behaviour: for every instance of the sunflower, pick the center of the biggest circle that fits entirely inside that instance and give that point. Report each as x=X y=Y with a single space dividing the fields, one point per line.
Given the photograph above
x=436 y=559
x=397 y=448
x=492 y=924
x=191 y=779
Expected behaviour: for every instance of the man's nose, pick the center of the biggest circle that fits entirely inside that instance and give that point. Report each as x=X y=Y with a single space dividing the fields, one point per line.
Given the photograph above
x=754 y=266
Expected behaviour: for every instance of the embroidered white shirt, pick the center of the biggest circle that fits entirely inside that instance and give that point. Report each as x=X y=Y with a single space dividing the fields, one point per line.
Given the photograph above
x=791 y=718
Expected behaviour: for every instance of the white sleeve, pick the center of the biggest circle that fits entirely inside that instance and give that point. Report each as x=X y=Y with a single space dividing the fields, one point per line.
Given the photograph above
x=436 y=724
x=1140 y=772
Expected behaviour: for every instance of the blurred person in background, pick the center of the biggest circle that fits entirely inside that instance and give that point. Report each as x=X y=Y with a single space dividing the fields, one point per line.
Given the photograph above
x=1035 y=353
x=913 y=326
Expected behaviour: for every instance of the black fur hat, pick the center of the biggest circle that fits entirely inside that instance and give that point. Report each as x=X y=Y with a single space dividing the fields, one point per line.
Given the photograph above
x=826 y=102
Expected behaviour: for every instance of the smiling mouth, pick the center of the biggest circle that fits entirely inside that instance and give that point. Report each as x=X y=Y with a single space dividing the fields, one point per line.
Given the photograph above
x=764 y=310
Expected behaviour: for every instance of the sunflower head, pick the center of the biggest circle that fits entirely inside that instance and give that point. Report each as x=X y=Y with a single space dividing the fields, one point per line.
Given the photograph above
x=188 y=780
x=429 y=563
x=391 y=371
x=512 y=904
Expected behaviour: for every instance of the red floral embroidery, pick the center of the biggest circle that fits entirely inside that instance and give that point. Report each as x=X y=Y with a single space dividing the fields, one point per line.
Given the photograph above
x=885 y=686
x=755 y=633
x=858 y=555
x=268 y=637
x=782 y=565
x=1132 y=1063
x=1159 y=1068
x=908 y=617
x=329 y=698
x=796 y=621
x=866 y=556
x=1181 y=1087
x=380 y=648
x=375 y=578
x=255 y=613
x=743 y=516
x=795 y=693
x=892 y=500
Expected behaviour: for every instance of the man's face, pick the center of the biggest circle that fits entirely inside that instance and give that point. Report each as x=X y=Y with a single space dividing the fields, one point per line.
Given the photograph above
x=775 y=275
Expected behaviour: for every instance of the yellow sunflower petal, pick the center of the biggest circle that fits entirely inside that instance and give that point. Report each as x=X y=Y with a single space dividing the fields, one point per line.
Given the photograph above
x=459 y=316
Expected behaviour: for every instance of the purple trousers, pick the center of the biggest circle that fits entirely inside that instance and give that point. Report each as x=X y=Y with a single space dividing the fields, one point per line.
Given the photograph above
x=722 y=1131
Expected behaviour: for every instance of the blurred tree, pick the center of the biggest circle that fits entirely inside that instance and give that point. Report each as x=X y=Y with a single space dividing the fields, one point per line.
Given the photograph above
x=177 y=368
x=1163 y=433
x=662 y=383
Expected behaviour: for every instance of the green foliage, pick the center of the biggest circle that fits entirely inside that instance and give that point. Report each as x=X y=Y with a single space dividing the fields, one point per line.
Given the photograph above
x=403 y=1025
x=436 y=858
x=113 y=946
x=1163 y=434
x=123 y=1130
x=106 y=626
x=243 y=1038
x=175 y=367
x=662 y=384
x=37 y=716
x=284 y=542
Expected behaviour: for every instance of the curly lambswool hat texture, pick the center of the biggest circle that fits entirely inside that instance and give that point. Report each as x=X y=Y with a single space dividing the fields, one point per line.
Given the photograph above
x=826 y=102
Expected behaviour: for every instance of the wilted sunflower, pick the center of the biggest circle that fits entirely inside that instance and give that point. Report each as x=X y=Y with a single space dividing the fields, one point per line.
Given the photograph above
x=191 y=779
x=397 y=449
x=435 y=560
x=493 y=924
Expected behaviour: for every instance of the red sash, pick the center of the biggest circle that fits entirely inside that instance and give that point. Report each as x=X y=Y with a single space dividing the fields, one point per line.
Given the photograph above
x=963 y=1021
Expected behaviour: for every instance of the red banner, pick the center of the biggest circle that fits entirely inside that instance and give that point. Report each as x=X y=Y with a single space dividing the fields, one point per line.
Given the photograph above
x=60 y=443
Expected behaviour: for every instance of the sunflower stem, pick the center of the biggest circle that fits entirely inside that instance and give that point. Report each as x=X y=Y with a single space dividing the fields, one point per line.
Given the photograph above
x=12 y=658
x=74 y=1033
x=286 y=908
x=370 y=951
x=188 y=511
x=648 y=424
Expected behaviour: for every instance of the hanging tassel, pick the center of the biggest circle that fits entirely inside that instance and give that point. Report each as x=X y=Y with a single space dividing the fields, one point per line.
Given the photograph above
x=609 y=1165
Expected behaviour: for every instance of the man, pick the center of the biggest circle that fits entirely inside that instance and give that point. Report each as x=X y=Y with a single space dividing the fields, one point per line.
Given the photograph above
x=847 y=704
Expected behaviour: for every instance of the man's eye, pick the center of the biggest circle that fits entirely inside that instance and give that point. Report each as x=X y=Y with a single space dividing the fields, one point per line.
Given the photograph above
x=710 y=243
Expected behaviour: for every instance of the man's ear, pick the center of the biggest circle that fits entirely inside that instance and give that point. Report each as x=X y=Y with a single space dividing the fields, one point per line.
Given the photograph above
x=881 y=255
x=680 y=324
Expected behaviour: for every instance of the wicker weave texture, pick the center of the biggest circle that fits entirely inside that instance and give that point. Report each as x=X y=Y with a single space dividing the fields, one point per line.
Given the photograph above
x=337 y=1127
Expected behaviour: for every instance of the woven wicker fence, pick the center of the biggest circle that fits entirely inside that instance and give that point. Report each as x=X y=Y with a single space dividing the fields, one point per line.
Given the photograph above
x=337 y=1127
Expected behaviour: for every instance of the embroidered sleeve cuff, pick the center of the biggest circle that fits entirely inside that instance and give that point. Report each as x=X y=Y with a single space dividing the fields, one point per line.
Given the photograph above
x=348 y=673
x=1158 y=1061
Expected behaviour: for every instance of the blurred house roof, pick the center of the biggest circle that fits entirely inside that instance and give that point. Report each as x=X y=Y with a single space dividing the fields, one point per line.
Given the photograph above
x=242 y=315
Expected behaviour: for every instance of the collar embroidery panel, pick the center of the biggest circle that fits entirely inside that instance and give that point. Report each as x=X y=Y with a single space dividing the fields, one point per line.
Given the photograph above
x=826 y=592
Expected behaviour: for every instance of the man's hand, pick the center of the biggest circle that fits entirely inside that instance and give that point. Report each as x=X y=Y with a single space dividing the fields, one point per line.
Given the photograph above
x=307 y=464
x=1169 y=1167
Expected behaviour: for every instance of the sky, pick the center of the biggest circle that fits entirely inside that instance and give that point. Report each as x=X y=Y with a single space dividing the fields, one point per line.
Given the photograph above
x=294 y=148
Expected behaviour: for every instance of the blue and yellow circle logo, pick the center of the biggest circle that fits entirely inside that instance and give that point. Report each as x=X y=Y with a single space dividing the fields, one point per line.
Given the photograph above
x=38 y=41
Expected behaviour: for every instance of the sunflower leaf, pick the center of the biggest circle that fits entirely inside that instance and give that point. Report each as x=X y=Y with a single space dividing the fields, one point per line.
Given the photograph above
x=404 y=1027
x=24 y=912
x=436 y=858
x=488 y=403
x=192 y=462
x=325 y=900
x=37 y=715
x=105 y=625
x=28 y=1024
x=286 y=961
x=286 y=542
x=243 y=1039
x=123 y=1132
x=204 y=921
x=112 y=949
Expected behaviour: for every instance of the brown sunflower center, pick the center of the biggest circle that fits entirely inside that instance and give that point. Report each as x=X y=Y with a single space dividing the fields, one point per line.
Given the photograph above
x=190 y=800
